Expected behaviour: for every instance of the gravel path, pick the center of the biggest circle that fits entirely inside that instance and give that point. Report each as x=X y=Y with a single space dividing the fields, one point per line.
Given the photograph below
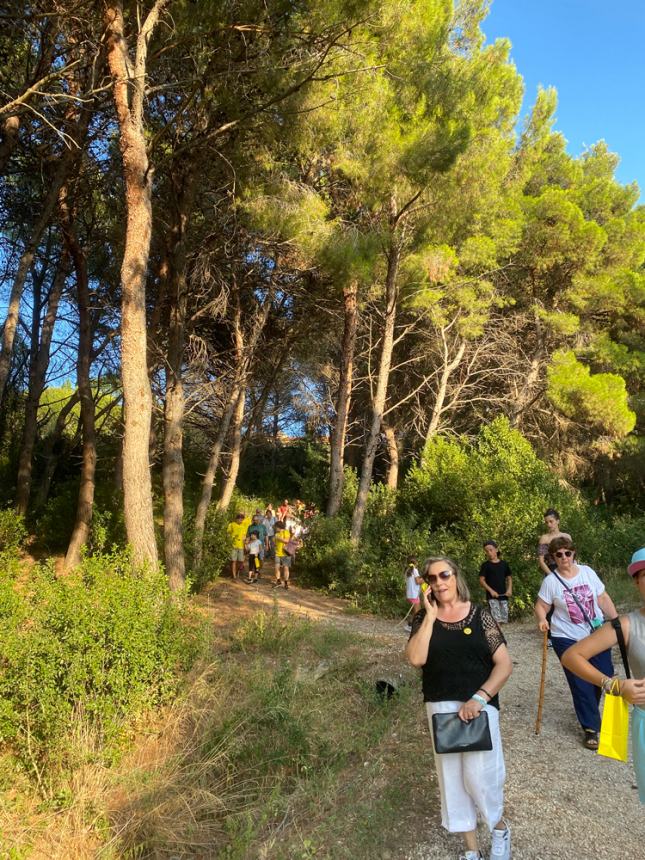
x=563 y=802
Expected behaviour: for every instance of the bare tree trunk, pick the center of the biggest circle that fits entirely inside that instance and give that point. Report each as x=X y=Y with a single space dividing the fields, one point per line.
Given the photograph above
x=50 y=457
x=449 y=366
x=380 y=394
x=26 y=261
x=173 y=462
x=393 y=456
x=85 y=504
x=236 y=447
x=337 y=446
x=129 y=93
x=37 y=373
x=244 y=354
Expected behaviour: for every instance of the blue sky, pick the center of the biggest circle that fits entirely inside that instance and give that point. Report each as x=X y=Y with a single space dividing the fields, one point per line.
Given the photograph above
x=593 y=53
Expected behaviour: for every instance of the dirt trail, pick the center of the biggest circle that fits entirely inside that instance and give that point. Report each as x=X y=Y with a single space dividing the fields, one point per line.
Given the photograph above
x=563 y=802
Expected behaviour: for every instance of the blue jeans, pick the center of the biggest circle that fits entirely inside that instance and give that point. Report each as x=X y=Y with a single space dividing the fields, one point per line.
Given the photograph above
x=585 y=696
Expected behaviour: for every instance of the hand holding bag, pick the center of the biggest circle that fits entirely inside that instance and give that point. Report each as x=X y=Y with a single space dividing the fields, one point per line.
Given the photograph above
x=614 y=728
x=452 y=734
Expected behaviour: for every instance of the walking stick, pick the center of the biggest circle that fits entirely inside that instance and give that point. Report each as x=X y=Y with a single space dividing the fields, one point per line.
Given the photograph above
x=538 y=721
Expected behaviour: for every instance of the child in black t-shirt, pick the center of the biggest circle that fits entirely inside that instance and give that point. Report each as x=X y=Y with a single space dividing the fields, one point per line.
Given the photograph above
x=496 y=579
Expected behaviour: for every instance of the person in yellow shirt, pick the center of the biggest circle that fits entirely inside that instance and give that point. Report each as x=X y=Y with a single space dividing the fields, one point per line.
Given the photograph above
x=237 y=534
x=282 y=557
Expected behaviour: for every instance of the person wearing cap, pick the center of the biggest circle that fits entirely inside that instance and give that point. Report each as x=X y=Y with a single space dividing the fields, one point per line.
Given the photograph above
x=497 y=581
x=237 y=533
x=578 y=660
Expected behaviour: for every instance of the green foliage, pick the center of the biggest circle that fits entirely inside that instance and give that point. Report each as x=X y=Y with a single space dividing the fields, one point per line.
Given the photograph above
x=100 y=644
x=216 y=546
x=599 y=399
x=459 y=494
x=12 y=530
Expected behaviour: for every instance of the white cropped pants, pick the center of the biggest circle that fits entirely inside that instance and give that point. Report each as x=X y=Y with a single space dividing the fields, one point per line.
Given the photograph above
x=470 y=782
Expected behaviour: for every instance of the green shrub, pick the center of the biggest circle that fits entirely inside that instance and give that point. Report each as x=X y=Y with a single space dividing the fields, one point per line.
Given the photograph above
x=106 y=642
x=328 y=559
x=12 y=530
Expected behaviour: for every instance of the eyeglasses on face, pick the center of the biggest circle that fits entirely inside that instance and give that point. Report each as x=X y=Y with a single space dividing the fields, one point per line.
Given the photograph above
x=563 y=553
x=443 y=575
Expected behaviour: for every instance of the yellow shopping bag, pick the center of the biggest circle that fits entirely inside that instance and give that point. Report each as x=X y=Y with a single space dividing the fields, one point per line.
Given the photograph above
x=614 y=728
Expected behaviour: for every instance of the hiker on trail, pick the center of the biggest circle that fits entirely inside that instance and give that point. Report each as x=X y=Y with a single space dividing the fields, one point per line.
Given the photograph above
x=257 y=526
x=497 y=581
x=283 y=510
x=552 y=523
x=465 y=663
x=282 y=558
x=269 y=524
x=254 y=548
x=412 y=587
x=579 y=600
x=237 y=533
x=579 y=660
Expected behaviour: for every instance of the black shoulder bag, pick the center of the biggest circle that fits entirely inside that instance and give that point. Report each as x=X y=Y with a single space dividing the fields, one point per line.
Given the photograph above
x=615 y=623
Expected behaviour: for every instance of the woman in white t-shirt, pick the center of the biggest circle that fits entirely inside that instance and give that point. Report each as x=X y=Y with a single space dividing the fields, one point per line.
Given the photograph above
x=579 y=601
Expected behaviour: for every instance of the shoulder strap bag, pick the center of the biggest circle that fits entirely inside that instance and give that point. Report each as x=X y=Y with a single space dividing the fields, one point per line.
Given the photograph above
x=615 y=623
x=580 y=606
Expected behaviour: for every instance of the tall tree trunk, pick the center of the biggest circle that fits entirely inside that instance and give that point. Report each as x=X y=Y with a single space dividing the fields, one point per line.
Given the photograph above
x=26 y=261
x=339 y=433
x=449 y=367
x=236 y=448
x=209 y=476
x=129 y=93
x=39 y=363
x=173 y=462
x=85 y=503
x=380 y=394
x=393 y=456
x=244 y=355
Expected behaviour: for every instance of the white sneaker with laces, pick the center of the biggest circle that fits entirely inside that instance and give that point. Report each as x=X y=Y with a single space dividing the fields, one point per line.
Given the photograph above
x=500 y=847
x=471 y=855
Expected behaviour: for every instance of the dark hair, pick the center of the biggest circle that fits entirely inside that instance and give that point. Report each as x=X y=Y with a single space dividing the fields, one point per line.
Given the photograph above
x=551 y=512
x=279 y=524
x=257 y=534
x=490 y=543
x=560 y=543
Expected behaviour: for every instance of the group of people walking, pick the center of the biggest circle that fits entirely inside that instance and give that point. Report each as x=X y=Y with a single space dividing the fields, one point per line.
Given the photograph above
x=268 y=536
x=465 y=662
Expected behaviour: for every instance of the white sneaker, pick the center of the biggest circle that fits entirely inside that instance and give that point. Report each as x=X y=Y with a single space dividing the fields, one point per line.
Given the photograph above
x=471 y=855
x=500 y=847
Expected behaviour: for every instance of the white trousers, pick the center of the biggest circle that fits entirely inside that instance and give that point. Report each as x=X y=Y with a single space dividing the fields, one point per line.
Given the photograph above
x=470 y=782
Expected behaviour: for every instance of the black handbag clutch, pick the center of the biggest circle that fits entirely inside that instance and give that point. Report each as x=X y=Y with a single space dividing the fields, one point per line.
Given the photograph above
x=454 y=735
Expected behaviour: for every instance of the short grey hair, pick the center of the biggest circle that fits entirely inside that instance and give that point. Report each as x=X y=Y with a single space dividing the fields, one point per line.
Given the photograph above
x=463 y=592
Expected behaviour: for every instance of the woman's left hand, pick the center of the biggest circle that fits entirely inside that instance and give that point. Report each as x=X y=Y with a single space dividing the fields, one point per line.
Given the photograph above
x=469 y=710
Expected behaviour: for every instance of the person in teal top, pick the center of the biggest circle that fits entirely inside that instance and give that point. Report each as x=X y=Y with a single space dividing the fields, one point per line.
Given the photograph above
x=576 y=659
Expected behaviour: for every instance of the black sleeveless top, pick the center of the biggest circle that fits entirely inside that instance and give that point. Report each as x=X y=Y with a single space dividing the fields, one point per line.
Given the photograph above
x=460 y=655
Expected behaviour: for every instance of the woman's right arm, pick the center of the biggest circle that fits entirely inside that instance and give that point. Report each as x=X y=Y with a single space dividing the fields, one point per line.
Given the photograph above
x=416 y=650
x=576 y=660
x=541 y=609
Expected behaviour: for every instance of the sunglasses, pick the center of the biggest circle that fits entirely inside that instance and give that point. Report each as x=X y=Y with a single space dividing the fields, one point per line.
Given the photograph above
x=433 y=578
x=564 y=553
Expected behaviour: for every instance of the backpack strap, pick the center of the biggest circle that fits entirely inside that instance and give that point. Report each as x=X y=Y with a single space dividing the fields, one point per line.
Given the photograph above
x=615 y=623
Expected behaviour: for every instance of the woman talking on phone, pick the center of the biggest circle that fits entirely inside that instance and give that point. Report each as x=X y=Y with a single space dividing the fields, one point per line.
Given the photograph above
x=465 y=663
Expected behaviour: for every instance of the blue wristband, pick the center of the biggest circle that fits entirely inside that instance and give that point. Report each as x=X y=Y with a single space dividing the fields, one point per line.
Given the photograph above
x=482 y=701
